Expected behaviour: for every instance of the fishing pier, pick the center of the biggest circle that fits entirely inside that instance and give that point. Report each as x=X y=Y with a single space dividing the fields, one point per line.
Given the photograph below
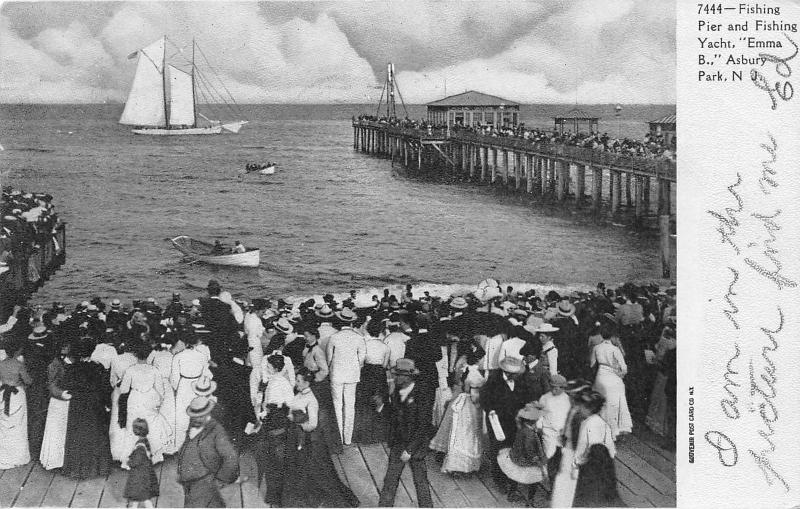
x=606 y=184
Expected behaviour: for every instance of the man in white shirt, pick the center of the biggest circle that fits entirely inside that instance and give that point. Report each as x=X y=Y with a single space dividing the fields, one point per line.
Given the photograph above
x=511 y=348
x=254 y=332
x=346 y=352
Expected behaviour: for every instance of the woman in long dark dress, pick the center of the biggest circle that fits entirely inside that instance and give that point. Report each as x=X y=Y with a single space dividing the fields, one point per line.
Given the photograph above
x=597 y=482
x=372 y=392
x=310 y=479
x=86 y=450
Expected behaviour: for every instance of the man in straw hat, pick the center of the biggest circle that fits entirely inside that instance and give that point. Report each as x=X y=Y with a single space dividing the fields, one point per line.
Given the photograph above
x=503 y=395
x=207 y=459
x=408 y=437
x=346 y=353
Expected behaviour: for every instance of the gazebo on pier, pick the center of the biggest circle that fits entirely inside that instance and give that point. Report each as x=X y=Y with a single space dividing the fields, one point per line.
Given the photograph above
x=575 y=118
x=664 y=126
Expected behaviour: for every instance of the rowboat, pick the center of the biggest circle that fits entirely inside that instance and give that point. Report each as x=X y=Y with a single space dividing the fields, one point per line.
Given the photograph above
x=204 y=252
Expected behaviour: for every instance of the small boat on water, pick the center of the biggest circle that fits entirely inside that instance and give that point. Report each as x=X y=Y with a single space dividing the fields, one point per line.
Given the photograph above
x=261 y=169
x=205 y=252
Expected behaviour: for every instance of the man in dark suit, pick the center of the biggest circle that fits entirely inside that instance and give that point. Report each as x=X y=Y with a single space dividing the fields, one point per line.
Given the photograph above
x=504 y=393
x=218 y=319
x=207 y=460
x=408 y=437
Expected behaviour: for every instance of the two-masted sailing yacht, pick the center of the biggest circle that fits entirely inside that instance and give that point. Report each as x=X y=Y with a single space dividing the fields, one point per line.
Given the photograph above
x=163 y=98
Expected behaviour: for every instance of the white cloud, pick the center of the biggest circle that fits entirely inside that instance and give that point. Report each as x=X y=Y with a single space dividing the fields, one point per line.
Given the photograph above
x=320 y=52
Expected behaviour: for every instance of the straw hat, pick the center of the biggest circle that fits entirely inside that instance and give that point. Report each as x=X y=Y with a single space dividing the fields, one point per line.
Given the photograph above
x=459 y=303
x=200 y=406
x=204 y=386
x=512 y=365
x=546 y=328
x=283 y=325
x=324 y=311
x=566 y=308
x=346 y=315
x=405 y=367
x=39 y=332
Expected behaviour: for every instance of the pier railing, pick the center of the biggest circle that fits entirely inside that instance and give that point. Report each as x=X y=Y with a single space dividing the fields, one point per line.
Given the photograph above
x=661 y=168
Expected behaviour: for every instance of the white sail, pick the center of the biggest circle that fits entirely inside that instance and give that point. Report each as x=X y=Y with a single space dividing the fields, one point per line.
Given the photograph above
x=145 y=104
x=181 y=93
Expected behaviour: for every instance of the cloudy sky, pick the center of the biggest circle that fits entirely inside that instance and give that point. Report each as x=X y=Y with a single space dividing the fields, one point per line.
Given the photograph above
x=542 y=51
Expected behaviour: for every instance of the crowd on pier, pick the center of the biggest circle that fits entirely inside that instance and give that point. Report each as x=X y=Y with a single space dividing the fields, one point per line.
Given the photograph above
x=649 y=147
x=28 y=222
x=537 y=388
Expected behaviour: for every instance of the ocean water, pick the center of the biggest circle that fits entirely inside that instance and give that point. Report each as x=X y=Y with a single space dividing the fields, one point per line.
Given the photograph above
x=329 y=220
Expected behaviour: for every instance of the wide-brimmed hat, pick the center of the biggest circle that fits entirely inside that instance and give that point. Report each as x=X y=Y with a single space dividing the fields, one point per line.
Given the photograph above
x=405 y=367
x=531 y=412
x=204 y=386
x=578 y=385
x=459 y=303
x=521 y=474
x=283 y=325
x=200 y=406
x=324 y=311
x=566 y=308
x=512 y=365
x=546 y=327
x=558 y=381
x=346 y=315
x=39 y=332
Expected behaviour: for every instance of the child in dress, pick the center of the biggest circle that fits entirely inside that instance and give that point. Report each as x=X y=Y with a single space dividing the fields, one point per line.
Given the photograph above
x=142 y=483
x=525 y=461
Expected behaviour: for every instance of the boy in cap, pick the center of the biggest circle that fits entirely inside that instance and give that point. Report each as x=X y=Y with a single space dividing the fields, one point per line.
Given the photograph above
x=555 y=406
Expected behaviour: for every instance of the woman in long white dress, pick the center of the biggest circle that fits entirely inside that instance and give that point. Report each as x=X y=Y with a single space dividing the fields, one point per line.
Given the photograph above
x=609 y=384
x=460 y=434
x=55 y=428
x=161 y=358
x=14 y=449
x=116 y=433
x=145 y=387
x=187 y=366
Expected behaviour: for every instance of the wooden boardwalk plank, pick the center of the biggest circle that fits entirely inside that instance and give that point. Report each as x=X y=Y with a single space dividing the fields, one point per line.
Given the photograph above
x=88 y=492
x=647 y=472
x=638 y=486
x=444 y=486
x=358 y=476
x=630 y=498
x=11 y=482
x=475 y=491
x=114 y=490
x=35 y=488
x=170 y=491
x=60 y=492
x=653 y=441
x=644 y=451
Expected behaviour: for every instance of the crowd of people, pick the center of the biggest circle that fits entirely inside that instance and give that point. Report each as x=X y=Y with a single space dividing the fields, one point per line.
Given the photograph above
x=28 y=222
x=543 y=385
x=651 y=146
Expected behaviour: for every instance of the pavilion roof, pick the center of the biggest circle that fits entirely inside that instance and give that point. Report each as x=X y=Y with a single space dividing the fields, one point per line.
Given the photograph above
x=473 y=98
x=667 y=119
x=576 y=114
